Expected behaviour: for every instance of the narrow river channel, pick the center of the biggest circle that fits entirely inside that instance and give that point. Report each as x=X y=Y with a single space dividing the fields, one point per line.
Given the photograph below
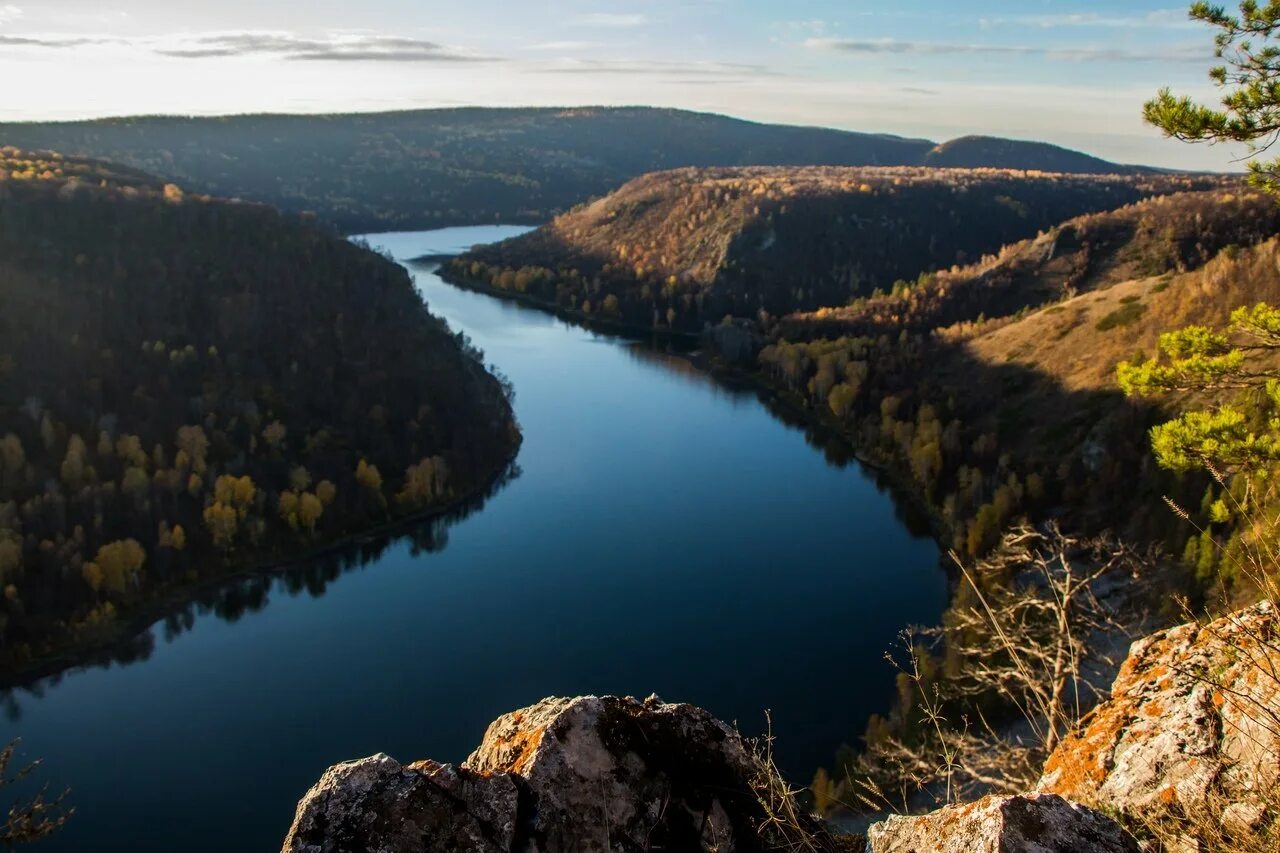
x=664 y=535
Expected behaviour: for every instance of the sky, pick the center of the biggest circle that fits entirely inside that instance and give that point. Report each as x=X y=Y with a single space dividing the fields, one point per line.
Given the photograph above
x=1072 y=73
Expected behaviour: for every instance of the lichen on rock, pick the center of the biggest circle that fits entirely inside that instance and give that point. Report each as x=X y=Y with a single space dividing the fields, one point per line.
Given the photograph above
x=1034 y=823
x=583 y=774
x=1192 y=726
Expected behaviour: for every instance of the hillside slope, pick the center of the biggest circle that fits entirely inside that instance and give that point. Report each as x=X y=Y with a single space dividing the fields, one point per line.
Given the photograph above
x=971 y=152
x=1157 y=235
x=995 y=417
x=189 y=386
x=683 y=248
x=420 y=169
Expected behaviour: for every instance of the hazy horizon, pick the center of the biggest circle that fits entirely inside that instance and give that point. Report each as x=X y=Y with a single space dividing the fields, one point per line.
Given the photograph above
x=1073 y=74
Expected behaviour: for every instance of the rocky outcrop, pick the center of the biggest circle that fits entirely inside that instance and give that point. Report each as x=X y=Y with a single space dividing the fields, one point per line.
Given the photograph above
x=1190 y=734
x=1192 y=727
x=1042 y=823
x=584 y=774
x=377 y=805
x=1186 y=752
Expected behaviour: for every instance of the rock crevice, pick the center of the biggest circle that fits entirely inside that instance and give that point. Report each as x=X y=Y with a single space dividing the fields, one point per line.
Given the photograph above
x=589 y=774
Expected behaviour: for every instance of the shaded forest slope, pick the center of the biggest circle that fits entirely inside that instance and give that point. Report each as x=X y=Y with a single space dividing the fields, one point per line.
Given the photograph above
x=1157 y=235
x=993 y=416
x=189 y=385
x=428 y=168
x=683 y=248
x=973 y=152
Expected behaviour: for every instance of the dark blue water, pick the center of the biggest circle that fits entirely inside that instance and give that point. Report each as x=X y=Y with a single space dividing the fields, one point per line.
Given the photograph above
x=664 y=535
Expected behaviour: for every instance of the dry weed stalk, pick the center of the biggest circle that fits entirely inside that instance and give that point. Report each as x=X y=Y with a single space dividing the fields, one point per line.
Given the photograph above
x=785 y=826
x=1030 y=641
x=33 y=818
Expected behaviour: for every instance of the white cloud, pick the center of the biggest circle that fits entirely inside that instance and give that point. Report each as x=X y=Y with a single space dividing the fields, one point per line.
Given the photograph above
x=1167 y=18
x=692 y=69
x=1190 y=53
x=609 y=20
x=562 y=45
x=9 y=13
x=334 y=47
x=816 y=26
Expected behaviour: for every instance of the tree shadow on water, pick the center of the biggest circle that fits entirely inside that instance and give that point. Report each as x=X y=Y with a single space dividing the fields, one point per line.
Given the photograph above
x=233 y=599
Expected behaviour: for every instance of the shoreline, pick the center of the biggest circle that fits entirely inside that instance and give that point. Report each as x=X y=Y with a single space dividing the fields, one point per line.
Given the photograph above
x=780 y=401
x=145 y=616
x=589 y=321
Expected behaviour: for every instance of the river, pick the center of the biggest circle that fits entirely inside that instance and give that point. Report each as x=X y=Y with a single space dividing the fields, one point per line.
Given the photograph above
x=664 y=534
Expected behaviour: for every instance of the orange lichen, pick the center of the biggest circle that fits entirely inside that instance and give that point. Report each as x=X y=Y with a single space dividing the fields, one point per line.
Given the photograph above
x=515 y=751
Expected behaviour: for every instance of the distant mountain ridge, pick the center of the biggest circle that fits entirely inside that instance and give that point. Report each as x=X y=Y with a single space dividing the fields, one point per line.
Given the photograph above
x=430 y=168
x=971 y=152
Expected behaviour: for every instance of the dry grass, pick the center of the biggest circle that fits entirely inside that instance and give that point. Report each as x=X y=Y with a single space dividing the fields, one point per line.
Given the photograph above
x=786 y=826
x=1071 y=343
x=32 y=818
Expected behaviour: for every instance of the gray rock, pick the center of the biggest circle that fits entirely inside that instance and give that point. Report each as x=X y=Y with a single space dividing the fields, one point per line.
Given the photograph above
x=586 y=774
x=375 y=805
x=1035 y=823
x=1191 y=725
x=605 y=769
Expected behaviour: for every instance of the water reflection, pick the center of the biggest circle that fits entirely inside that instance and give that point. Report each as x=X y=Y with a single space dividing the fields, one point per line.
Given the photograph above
x=836 y=449
x=668 y=535
x=233 y=599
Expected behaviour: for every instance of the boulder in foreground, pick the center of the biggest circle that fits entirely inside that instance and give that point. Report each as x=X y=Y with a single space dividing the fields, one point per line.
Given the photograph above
x=1190 y=734
x=584 y=774
x=1043 y=823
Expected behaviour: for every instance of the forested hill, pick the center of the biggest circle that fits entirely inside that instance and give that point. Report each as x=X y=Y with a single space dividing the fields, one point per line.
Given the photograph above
x=993 y=387
x=402 y=170
x=684 y=248
x=971 y=152
x=189 y=385
x=1091 y=252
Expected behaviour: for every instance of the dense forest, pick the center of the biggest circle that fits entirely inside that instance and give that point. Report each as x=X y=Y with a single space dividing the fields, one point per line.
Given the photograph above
x=685 y=248
x=974 y=152
x=993 y=387
x=431 y=168
x=992 y=394
x=191 y=386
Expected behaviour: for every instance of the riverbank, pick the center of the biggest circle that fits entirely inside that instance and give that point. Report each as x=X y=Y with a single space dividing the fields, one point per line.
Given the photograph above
x=789 y=407
x=591 y=321
x=108 y=643
x=785 y=404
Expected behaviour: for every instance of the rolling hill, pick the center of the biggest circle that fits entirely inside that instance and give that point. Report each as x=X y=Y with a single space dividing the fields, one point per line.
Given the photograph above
x=971 y=152
x=1091 y=252
x=421 y=169
x=688 y=247
x=189 y=387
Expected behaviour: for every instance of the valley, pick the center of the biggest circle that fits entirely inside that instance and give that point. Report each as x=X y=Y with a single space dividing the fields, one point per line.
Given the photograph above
x=637 y=550
x=406 y=372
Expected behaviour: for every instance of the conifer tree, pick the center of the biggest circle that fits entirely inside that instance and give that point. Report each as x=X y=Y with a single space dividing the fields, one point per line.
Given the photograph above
x=1249 y=74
